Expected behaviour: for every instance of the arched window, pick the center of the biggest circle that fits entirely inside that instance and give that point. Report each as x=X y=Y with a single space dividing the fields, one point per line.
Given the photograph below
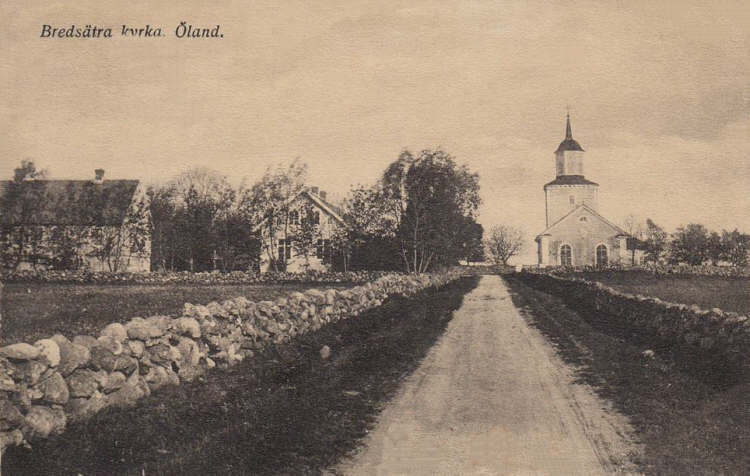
x=566 y=256
x=601 y=255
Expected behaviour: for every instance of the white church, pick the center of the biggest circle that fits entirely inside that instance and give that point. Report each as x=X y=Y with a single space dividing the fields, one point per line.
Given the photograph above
x=576 y=234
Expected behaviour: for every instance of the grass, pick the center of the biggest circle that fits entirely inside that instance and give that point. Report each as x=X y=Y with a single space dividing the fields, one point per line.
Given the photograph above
x=729 y=294
x=286 y=411
x=36 y=311
x=689 y=407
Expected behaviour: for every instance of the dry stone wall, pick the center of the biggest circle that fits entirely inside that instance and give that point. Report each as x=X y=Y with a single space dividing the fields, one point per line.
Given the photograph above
x=185 y=277
x=714 y=329
x=45 y=385
x=655 y=268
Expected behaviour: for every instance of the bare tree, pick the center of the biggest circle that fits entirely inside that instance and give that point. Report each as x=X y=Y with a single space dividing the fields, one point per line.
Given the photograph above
x=503 y=243
x=636 y=228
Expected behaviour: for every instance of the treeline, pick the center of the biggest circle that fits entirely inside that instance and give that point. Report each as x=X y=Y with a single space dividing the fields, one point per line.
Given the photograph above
x=693 y=244
x=419 y=215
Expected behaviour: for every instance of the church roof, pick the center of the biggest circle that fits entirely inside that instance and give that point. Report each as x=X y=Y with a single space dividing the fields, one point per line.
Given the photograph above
x=569 y=143
x=571 y=180
x=619 y=231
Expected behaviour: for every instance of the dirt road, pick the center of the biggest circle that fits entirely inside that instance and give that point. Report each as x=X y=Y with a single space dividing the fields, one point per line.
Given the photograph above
x=492 y=397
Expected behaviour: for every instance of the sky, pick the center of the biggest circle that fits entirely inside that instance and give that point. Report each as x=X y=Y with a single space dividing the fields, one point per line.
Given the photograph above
x=658 y=92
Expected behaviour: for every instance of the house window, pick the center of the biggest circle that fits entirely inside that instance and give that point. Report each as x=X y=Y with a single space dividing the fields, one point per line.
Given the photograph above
x=316 y=218
x=601 y=255
x=285 y=249
x=572 y=200
x=294 y=217
x=566 y=255
x=323 y=249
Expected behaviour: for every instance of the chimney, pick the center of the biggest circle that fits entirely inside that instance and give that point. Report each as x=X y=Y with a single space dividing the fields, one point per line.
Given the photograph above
x=314 y=190
x=323 y=194
x=98 y=175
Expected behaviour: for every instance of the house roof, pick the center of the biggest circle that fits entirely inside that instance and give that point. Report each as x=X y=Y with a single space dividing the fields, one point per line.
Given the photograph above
x=620 y=231
x=570 y=180
x=66 y=202
x=330 y=209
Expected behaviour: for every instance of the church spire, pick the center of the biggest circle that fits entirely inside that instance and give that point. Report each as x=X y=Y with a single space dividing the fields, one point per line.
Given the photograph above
x=568 y=143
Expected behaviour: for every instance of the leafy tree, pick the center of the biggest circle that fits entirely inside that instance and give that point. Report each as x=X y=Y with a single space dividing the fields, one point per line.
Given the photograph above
x=655 y=242
x=111 y=244
x=420 y=212
x=305 y=232
x=188 y=217
x=503 y=243
x=689 y=244
x=429 y=195
x=714 y=248
x=21 y=239
x=735 y=247
x=268 y=203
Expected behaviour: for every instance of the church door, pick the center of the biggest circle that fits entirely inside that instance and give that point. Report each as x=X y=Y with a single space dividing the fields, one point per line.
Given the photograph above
x=566 y=256
x=601 y=255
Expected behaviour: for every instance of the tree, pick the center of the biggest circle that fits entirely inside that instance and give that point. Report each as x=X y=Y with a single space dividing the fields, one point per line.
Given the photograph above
x=655 y=242
x=421 y=212
x=305 y=232
x=188 y=217
x=21 y=238
x=714 y=248
x=503 y=243
x=429 y=196
x=690 y=244
x=473 y=244
x=735 y=247
x=268 y=203
x=636 y=229
x=111 y=243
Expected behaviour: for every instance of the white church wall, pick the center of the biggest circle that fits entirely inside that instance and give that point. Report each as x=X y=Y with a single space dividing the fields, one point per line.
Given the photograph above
x=584 y=237
x=559 y=201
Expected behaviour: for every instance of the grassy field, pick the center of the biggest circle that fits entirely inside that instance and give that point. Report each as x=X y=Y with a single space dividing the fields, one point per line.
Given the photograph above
x=688 y=406
x=35 y=311
x=286 y=411
x=729 y=294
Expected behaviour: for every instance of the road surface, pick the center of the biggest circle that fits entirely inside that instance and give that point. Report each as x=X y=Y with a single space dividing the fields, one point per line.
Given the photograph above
x=492 y=397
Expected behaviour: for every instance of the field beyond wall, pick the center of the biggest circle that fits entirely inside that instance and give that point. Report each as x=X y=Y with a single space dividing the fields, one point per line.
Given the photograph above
x=35 y=311
x=725 y=293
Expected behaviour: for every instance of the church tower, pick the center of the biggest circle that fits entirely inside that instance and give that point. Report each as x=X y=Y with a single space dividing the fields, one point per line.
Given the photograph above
x=570 y=188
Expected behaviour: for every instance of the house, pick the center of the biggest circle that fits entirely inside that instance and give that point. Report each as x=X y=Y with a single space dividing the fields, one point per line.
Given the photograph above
x=302 y=236
x=576 y=233
x=100 y=225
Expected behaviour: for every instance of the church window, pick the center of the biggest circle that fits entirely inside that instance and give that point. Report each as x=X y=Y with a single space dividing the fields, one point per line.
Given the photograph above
x=566 y=255
x=583 y=219
x=601 y=255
